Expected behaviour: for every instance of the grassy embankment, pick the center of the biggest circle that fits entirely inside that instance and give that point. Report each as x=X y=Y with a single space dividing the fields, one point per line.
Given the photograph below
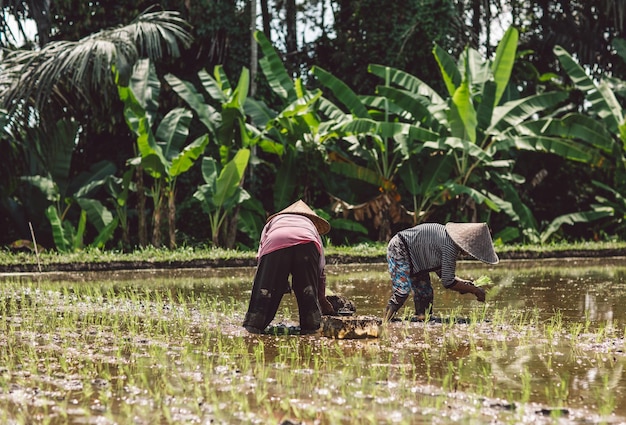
x=201 y=257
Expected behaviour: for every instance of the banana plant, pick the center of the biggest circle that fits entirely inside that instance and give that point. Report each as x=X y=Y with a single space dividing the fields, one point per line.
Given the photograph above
x=470 y=135
x=63 y=194
x=163 y=153
x=229 y=128
x=605 y=111
x=222 y=190
x=291 y=132
x=364 y=140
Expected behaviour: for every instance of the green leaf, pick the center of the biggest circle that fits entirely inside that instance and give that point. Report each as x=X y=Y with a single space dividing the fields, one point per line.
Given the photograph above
x=407 y=81
x=515 y=208
x=573 y=218
x=358 y=172
x=516 y=112
x=87 y=182
x=105 y=234
x=274 y=70
x=185 y=159
x=205 y=112
x=284 y=185
x=342 y=92
x=348 y=225
x=479 y=198
x=462 y=99
x=173 y=131
x=97 y=213
x=502 y=65
x=222 y=84
x=602 y=100
x=568 y=149
x=209 y=171
x=58 y=233
x=146 y=87
x=77 y=243
x=230 y=177
x=449 y=69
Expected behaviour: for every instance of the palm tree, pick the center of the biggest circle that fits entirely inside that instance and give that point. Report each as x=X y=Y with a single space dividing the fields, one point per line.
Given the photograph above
x=75 y=81
x=62 y=76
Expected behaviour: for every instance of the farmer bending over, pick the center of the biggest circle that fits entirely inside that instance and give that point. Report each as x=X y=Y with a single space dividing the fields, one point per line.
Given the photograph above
x=431 y=247
x=290 y=245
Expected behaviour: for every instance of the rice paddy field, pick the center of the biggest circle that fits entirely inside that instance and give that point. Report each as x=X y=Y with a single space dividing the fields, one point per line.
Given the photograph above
x=167 y=347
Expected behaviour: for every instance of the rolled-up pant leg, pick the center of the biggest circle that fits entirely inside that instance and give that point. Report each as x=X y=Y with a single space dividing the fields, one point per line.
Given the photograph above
x=422 y=294
x=270 y=284
x=399 y=266
x=304 y=281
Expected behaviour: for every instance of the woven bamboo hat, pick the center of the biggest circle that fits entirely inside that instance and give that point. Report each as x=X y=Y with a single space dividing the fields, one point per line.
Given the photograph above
x=301 y=208
x=475 y=239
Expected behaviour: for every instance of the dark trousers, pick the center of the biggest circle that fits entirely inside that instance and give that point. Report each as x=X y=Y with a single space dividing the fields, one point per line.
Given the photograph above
x=271 y=282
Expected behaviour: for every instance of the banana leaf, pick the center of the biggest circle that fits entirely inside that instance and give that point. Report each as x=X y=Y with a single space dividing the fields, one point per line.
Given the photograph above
x=62 y=242
x=455 y=189
x=230 y=177
x=364 y=174
x=577 y=217
x=219 y=87
x=515 y=208
x=462 y=100
x=97 y=213
x=285 y=185
x=46 y=185
x=407 y=81
x=146 y=86
x=342 y=92
x=568 y=149
x=173 y=131
x=502 y=65
x=105 y=234
x=602 y=100
x=206 y=113
x=274 y=69
x=184 y=160
x=516 y=112
x=586 y=130
x=415 y=105
x=87 y=182
x=449 y=70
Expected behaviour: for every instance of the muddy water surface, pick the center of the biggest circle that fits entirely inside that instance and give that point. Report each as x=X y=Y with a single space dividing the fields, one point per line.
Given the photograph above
x=167 y=347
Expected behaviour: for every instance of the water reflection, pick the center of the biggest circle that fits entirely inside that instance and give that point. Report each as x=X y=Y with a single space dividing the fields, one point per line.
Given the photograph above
x=552 y=332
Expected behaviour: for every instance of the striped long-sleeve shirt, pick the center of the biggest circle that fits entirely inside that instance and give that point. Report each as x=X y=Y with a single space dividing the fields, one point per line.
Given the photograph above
x=431 y=249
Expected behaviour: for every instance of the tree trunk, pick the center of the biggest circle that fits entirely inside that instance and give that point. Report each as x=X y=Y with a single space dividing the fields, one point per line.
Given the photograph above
x=141 y=209
x=254 y=56
x=156 y=218
x=40 y=13
x=476 y=26
x=292 y=36
x=231 y=231
x=171 y=217
x=267 y=17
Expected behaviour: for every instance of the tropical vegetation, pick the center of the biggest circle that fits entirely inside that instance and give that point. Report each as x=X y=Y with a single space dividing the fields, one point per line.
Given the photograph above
x=110 y=138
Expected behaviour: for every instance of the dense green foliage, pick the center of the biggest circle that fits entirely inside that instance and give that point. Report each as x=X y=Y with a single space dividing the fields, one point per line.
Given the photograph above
x=387 y=118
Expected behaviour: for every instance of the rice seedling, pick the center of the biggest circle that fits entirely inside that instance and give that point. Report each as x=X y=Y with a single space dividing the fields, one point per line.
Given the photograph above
x=172 y=351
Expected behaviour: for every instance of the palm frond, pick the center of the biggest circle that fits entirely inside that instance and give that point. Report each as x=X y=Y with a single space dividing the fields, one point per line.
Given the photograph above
x=63 y=70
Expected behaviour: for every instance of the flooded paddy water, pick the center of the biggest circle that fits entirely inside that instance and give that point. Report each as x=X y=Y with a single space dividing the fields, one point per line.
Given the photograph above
x=167 y=347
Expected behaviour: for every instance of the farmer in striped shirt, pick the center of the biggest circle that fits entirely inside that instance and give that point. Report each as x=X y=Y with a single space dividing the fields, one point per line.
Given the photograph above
x=290 y=245
x=431 y=247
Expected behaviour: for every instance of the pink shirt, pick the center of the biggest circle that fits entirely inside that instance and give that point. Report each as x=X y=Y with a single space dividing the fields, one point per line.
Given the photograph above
x=287 y=230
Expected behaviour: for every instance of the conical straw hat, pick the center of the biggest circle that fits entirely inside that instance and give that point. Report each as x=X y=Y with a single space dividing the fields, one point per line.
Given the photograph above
x=301 y=208
x=475 y=239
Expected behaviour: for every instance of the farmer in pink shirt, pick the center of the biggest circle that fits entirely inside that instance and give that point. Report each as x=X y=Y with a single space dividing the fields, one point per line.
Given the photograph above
x=290 y=245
